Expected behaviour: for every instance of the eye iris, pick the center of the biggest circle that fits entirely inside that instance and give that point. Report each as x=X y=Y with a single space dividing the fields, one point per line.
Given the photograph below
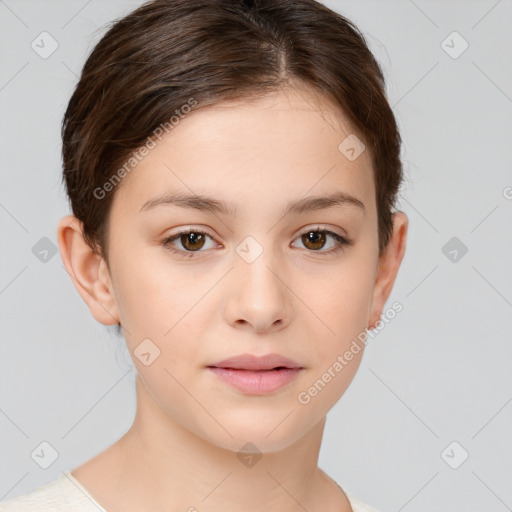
x=315 y=237
x=193 y=238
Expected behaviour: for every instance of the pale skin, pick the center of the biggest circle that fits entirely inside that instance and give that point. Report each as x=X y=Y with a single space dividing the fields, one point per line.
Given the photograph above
x=309 y=305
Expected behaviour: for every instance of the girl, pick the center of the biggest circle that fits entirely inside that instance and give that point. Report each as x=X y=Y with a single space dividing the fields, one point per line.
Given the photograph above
x=232 y=168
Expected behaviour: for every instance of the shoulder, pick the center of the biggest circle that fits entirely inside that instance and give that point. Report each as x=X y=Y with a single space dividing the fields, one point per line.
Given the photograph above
x=356 y=504
x=59 y=495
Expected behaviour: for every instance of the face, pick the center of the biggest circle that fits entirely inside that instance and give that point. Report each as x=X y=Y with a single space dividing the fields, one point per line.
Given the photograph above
x=276 y=271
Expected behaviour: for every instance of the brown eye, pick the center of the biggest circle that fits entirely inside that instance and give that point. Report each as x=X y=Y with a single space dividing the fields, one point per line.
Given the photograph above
x=314 y=240
x=192 y=241
x=323 y=241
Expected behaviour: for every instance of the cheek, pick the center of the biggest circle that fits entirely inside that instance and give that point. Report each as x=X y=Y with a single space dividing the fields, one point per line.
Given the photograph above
x=340 y=302
x=160 y=313
x=152 y=297
x=336 y=354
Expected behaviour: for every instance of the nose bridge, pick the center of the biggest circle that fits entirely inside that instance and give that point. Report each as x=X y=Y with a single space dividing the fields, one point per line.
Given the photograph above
x=258 y=262
x=259 y=295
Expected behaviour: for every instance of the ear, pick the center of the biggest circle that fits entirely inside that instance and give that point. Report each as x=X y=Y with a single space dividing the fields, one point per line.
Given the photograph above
x=389 y=263
x=89 y=272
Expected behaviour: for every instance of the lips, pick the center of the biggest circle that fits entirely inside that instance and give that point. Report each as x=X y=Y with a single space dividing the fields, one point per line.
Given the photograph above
x=256 y=363
x=257 y=375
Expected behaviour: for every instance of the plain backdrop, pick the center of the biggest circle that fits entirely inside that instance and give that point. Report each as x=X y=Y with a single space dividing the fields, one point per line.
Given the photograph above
x=426 y=423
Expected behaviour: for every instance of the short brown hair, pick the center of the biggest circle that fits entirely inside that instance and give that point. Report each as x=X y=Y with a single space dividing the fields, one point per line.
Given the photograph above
x=150 y=63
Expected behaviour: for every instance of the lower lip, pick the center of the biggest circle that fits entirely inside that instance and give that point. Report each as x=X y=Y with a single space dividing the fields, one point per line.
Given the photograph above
x=256 y=382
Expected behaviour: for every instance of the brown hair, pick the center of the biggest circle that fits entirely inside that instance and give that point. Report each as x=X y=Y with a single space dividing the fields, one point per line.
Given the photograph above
x=168 y=54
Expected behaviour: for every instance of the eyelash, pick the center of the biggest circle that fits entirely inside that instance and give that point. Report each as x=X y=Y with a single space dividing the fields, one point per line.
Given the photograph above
x=341 y=242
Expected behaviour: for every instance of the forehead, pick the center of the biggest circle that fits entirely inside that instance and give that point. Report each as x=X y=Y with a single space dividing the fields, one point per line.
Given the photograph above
x=282 y=144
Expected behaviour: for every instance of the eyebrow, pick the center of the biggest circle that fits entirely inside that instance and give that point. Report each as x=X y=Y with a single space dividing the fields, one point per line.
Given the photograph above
x=209 y=204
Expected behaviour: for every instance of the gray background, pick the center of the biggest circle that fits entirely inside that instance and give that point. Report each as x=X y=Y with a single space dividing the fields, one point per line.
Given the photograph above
x=439 y=372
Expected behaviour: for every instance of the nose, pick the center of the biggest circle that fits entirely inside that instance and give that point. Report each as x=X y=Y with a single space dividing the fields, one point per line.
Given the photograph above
x=258 y=298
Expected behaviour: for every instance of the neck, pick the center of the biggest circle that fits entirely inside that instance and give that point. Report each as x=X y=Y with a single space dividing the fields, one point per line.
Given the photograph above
x=161 y=465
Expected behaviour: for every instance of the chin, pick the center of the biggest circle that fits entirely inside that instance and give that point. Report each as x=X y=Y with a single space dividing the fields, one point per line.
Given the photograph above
x=252 y=434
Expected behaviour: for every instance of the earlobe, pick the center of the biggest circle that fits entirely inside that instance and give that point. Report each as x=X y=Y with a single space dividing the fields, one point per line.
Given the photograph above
x=87 y=271
x=389 y=263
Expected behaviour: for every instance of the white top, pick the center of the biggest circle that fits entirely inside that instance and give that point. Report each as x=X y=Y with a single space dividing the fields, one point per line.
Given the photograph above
x=66 y=494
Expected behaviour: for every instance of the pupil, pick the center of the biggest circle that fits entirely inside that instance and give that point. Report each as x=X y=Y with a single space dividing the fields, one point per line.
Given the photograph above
x=316 y=238
x=193 y=239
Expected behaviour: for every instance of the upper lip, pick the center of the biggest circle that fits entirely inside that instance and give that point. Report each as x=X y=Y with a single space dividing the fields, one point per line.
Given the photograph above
x=252 y=362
